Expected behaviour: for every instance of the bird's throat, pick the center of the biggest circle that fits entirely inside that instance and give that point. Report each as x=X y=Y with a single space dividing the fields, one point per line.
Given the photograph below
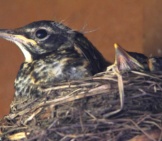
x=27 y=55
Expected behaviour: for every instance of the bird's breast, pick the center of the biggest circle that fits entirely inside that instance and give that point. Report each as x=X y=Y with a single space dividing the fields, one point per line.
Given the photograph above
x=44 y=71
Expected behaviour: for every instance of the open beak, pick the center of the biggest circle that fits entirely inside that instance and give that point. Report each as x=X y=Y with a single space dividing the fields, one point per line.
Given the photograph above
x=124 y=61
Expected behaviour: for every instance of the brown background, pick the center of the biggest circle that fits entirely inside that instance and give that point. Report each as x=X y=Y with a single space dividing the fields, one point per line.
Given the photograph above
x=135 y=24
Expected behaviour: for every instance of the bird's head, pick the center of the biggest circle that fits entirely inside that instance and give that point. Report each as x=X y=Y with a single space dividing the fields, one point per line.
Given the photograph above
x=39 y=38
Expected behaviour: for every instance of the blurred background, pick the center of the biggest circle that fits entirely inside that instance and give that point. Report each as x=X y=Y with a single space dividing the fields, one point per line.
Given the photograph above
x=134 y=24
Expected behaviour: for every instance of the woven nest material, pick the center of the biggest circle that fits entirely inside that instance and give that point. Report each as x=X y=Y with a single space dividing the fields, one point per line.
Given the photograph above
x=106 y=107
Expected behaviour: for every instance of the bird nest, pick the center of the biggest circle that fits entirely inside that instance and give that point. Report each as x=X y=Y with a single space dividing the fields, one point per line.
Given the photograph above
x=109 y=106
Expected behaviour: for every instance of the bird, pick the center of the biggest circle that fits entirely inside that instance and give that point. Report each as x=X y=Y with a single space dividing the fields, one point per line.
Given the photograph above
x=53 y=53
x=127 y=61
x=155 y=64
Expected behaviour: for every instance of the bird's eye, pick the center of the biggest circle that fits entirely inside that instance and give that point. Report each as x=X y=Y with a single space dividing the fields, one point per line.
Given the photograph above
x=41 y=33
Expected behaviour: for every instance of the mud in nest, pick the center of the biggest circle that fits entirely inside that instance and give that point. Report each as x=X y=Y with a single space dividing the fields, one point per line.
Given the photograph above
x=108 y=106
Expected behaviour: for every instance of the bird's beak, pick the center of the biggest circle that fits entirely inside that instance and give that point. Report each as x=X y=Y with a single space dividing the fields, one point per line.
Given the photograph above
x=7 y=34
x=20 y=40
x=13 y=36
x=124 y=61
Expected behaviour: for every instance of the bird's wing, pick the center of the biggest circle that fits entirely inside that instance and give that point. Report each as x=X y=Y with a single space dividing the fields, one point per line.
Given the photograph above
x=95 y=58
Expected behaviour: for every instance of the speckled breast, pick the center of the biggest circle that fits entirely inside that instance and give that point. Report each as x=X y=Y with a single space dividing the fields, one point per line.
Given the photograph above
x=46 y=71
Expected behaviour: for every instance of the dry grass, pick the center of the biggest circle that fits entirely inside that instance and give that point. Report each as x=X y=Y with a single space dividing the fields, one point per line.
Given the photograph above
x=108 y=106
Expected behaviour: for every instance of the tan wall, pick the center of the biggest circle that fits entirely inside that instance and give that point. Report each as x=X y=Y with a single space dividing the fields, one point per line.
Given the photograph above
x=135 y=24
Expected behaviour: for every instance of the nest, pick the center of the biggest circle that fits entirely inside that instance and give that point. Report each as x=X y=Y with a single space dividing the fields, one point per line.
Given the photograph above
x=108 y=106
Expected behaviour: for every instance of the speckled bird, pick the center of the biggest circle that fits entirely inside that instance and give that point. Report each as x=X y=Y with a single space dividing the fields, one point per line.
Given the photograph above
x=53 y=53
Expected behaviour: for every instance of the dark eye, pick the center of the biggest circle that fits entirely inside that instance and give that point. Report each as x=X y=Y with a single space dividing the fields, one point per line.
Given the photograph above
x=41 y=33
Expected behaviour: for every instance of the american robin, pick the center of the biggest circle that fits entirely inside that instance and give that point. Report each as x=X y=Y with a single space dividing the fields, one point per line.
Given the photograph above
x=53 y=53
x=127 y=61
x=155 y=64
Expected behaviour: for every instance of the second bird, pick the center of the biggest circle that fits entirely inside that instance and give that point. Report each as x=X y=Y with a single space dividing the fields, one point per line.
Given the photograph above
x=53 y=53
